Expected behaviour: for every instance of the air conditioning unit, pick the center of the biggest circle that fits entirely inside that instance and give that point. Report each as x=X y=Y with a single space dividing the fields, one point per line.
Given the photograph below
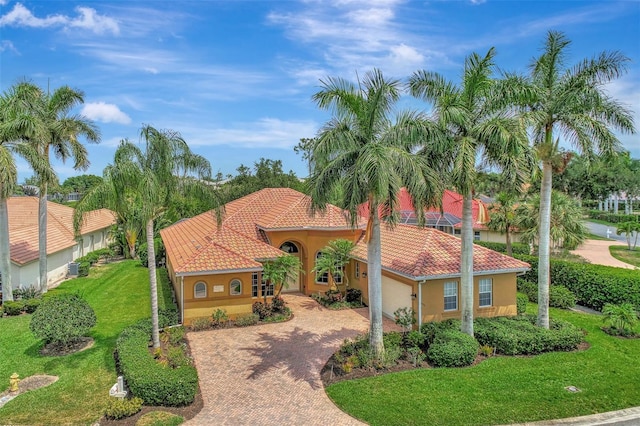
x=73 y=268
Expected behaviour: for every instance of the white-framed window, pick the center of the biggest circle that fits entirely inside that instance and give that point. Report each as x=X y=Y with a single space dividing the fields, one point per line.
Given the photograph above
x=254 y=284
x=476 y=235
x=267 y=289
x=451 y=296
x=235 y=287
x=321 y=278
x=200 y=290
x=485 y=292
x=357 y=269
x=457 y=232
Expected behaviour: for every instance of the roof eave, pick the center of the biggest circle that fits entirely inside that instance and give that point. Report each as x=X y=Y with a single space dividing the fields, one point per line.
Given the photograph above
x=312 y=228
x=217 y=272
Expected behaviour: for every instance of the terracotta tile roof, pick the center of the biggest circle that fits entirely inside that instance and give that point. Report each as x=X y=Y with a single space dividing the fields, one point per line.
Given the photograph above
x=426 y=253
x=199 y=244
x=23 y=227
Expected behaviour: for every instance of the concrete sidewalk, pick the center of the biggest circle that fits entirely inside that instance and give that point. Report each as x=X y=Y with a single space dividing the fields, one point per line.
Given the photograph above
x=597 y=252
x=627 y=417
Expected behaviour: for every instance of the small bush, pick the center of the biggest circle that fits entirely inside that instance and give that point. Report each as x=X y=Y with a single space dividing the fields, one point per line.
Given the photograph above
x=148 y=379
x=430 y=329
x=452 y=348
x=415 y=339
x=405 y=318
x=278 y=305
x=521 y=303
x=13 y=308
x=83 y=268
x=415 y=355
x=120 y=408
x=561 y=297
x=262 y=310
x=333 y=296
x=354 y=295
x=30 y=305
x=245 y=320
x=620 y=318
x=30 y=292
x=62 y=319
x=219 y=318
x=200 y=323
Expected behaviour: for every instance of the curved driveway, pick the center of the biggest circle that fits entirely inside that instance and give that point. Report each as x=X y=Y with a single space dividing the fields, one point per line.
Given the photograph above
x=270 y=374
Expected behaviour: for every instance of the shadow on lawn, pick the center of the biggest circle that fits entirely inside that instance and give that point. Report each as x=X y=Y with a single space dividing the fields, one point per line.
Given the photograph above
x=283 y=351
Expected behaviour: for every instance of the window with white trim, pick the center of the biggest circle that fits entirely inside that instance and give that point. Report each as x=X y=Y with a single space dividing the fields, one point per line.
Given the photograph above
x=200 y=290
x=485 y=292
x=451 y=296
x=254 y=284
x=476 y=235
x=267 y=289
x=235 y=287
x=321 y=278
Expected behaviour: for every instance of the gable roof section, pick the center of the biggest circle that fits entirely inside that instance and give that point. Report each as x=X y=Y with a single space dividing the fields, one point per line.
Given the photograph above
x=23 y=227
x=426 y=253
x=199 y=245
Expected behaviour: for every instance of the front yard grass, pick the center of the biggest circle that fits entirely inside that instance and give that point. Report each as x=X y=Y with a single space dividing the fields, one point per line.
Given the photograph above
x=119 y=294
x=623 y=254
x=503 y=390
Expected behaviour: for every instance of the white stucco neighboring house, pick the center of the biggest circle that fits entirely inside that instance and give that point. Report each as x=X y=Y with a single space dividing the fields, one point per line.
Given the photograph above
x=62 y=246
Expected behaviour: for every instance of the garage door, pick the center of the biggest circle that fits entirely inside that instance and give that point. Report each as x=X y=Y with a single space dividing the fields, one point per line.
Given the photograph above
x=395 y=295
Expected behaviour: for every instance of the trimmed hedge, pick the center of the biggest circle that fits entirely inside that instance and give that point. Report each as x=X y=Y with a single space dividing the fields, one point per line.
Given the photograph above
x=612 y=217
x=520 y=335
x=521 y=303
x=452 y=348
x=516 y=248
x=155 y=383
x=13 y=307
x=593 y=285
x=559 y=296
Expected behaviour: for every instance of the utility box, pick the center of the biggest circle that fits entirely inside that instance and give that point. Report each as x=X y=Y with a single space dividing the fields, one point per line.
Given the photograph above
x=73 y=268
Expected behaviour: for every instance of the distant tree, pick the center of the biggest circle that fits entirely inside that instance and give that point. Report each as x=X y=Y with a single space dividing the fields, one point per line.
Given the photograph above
x=503 y=216
x=567 y=228
x=628 y=229
x=81 y=183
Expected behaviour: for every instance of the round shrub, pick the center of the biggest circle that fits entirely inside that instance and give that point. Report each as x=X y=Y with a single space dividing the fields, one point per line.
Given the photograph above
x=62 y=319
x=120 y=408
x=561 y=297
x=14 y=308
x=452 y=348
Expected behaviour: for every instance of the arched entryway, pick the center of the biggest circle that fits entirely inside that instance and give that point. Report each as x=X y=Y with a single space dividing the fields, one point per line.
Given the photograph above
x=293 y=249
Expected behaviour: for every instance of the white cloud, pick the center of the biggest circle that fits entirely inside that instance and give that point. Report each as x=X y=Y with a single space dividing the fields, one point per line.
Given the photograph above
x=3 y=2
x=264 y=133
x=8 y=45
x=405 y=55
x=105 y=113
x=87 y=18
x=475 y=2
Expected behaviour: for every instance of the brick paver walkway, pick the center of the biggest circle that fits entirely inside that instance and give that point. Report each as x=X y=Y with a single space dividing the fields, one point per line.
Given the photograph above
x=270 y=374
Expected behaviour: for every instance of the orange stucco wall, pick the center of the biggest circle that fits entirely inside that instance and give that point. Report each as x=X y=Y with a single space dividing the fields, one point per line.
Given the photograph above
x=504 y=298
x=310 y=242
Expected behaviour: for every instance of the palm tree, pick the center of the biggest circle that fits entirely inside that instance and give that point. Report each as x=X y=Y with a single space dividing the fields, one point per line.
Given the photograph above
x=628 y=228
x=150 y=178
x=571 y=102
x=363 y=155
x=16 y=129
x=477 y=122
x=61 y=131
x=335 y=256
x=280 y=271
x=503 y=216
x=567 y=229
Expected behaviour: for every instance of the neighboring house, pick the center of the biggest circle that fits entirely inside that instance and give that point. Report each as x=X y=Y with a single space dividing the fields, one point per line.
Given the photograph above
x=62 y=246
x=449 y=219
x=216 y=266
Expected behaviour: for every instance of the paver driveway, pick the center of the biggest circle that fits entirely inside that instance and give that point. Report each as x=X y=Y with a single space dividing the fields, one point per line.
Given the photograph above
x=270 y=374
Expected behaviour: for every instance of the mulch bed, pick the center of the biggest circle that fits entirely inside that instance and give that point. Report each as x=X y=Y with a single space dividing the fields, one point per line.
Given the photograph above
x=79 y=345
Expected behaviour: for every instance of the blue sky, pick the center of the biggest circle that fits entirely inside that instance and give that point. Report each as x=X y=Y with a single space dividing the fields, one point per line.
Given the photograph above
x=236 y=77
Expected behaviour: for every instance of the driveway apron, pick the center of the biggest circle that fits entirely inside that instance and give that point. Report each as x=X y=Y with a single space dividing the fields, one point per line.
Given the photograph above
x=270 y=374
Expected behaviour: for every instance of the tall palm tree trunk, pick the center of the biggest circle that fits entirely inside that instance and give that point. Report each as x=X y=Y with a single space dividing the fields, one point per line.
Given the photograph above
x=42 y=237
x=153 y=283
x=544 y=245
x=5 y=256
x=375 y=284
x=466 y=266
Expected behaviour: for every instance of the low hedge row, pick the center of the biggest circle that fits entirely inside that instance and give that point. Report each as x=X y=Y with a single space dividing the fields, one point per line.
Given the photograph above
x=612 y=217
x=155 y=383
x=593 y=285
x=559 y=295
x=452 y=348
x=17 y=307
x=520 y=335
x=516 y=248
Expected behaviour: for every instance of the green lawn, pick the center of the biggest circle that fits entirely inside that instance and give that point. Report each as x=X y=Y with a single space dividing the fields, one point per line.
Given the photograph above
x=504 y=390
x=623 y=254
x=603 y=222
x=591 y=236
x=119 y=294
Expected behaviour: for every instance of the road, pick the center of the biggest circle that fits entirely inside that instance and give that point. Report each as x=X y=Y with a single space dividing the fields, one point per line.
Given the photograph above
x=601 y=231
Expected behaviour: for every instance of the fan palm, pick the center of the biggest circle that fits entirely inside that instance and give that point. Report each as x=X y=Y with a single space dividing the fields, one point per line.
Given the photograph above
x=571 y=102
x=363 y=155
x=60 y=133
x=148 y=179
x=16 y=130
x=477 y=122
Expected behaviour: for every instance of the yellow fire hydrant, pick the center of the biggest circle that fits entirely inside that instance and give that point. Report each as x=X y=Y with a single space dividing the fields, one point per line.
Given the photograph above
x=13 y=382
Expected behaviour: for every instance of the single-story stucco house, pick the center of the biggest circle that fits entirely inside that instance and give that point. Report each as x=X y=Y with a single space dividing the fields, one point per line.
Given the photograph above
x=62 y=246
x=219 y=267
